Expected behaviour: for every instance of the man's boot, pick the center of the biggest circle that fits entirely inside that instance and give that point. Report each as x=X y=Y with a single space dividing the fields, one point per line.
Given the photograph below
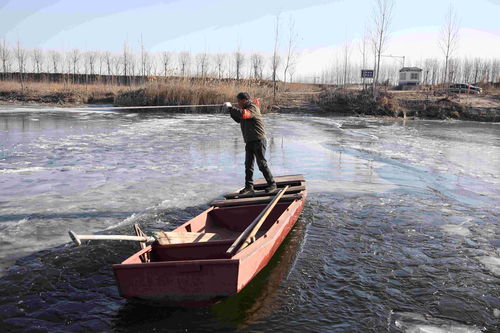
x=247 y=190
x=271 y=188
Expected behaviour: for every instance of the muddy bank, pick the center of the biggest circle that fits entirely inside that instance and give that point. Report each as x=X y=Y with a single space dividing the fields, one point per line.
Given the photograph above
x=445 y=108
x=55 y=94
x=387 y=104
x=54 y=98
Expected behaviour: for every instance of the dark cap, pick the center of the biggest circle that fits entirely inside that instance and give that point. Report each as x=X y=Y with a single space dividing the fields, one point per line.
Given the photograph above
x=243 y=95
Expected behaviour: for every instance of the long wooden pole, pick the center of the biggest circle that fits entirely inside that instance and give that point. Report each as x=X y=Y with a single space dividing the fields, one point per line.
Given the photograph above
x=77 y=239
x=248 y=236
x=105 y=108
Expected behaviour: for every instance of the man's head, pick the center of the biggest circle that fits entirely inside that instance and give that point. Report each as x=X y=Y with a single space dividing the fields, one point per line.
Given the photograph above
x=243 y=98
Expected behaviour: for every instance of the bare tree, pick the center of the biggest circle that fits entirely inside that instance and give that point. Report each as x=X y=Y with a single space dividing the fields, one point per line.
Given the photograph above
x=257 y=61
x=85 y=65
x=205 y=64
x=166 y=58
x=116 y=61
x=144 y=58
x=435 y=71
x=477 y=69
x=184 y=61
x=426 y=71
x=202 y=63
x=467 y=70
x=21 y=63
x=338 y=78
x=346 y=64
x=133 y=67
x=239 y=60
x=275 y=60
x=75 y=58
x=55 y=59
x=66 y=67
x=363 y=50
x=486 y=71
x=38 y=60
x=275 y=65
x=126 y=61
x=453 y=69
x=91 y=60
x=382 y=17
x=219 y=63
x=147 y=62
x=101 y=59
x=108 y=59
x=291 y=72
x=291 y=54
x=152 y=67
x=449 y=38
x=495 y=71
x=5 y=57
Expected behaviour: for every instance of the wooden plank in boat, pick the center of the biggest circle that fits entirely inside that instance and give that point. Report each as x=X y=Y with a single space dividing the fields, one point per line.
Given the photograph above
x=254 y=200
x=281 y=180
x=177 y=237
x=236 y=195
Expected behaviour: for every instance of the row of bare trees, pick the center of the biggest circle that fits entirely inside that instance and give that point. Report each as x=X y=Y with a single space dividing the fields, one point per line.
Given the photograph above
x=463 y=70
x=238 y=64
x=343 y=70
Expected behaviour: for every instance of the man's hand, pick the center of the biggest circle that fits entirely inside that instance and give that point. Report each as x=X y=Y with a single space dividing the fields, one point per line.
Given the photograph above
x=227 y=106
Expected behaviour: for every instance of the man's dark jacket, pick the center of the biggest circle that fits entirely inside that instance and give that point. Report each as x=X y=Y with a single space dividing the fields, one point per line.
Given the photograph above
x=250 y=119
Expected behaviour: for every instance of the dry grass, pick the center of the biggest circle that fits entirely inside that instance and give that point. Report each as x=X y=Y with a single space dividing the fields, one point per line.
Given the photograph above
x=170 y=91
x=185 y=92
x=493 y=92
x=56 y=93
x=57 y=86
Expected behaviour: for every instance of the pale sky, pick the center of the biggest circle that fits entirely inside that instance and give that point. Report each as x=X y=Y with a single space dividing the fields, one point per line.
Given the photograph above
x=214 y=26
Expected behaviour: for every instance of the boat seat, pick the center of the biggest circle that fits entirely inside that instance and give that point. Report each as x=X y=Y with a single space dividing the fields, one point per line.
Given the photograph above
x=178 y=237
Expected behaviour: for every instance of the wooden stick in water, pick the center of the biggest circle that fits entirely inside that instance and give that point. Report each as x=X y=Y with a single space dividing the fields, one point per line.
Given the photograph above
x=77 y=239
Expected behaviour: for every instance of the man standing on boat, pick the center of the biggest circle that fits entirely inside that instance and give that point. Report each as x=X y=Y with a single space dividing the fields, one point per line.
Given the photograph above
x=252 y=128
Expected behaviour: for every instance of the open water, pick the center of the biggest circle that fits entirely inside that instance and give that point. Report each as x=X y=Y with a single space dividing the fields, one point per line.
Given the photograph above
x=401 y=230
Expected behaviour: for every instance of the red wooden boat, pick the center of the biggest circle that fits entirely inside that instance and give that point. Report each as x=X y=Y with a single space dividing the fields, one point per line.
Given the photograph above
x=217 y=253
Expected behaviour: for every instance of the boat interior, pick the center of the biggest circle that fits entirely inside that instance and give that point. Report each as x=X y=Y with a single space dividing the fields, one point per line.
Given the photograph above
x=210 y=234
x=223 y=224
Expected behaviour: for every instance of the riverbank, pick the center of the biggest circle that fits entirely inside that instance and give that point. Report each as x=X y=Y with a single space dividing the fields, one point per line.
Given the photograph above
x=61 y=94
x=409 y=104
x=290 y=98
x=171 y=91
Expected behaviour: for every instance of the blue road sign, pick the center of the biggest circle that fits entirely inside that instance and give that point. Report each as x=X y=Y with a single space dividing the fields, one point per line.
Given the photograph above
x=367 y=73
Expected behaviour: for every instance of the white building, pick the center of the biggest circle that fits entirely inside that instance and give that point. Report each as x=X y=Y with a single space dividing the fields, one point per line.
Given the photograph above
x=410 y=77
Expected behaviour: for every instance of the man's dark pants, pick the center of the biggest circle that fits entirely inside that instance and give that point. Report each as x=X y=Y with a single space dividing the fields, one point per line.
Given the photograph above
x=256 y=150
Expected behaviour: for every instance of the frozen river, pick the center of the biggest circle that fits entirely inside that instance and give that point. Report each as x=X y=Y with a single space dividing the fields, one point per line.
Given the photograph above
x=400 y=233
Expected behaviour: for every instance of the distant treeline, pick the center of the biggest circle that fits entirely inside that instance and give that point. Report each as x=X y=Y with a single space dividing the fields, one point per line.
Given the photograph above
x=74 y=78
x=465 y=70
x=128 y=68
x=131 y=67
